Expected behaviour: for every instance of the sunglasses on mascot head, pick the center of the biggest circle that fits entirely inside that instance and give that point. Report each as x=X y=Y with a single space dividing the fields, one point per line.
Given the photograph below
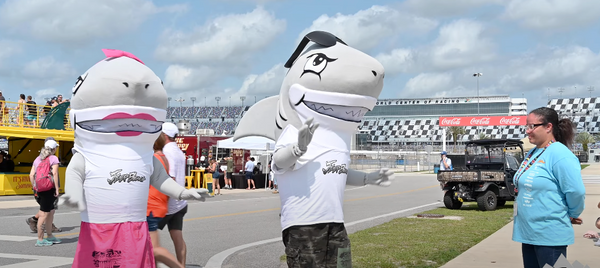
x=322 y=38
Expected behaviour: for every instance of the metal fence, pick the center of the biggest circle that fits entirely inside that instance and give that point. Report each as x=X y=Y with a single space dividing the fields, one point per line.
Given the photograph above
x=408 y=161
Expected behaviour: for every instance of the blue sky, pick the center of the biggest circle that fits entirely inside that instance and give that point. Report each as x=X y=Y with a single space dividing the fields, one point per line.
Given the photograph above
x=233 y=48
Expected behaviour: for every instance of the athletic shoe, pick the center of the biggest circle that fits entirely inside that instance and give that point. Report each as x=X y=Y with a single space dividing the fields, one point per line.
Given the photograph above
x=32 y=222
x=53 y=239
x=43 y=243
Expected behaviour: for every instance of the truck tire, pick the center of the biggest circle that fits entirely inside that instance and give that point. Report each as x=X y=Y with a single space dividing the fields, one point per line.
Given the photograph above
x=501 y=203
x=450 y=202
x=487 y=201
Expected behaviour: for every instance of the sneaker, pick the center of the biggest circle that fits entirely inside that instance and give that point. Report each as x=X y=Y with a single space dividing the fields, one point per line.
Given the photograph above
x=32 y=222
x=43 y=243
x=53 y=240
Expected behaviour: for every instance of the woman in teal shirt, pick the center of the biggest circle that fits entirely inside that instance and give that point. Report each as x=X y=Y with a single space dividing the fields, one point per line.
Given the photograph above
x=551 y=193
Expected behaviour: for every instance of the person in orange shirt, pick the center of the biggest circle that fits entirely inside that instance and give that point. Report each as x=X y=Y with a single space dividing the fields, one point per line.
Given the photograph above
x=157 y=209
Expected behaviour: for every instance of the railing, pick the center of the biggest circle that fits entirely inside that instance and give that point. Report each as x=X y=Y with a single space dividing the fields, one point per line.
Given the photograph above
x=13 y=114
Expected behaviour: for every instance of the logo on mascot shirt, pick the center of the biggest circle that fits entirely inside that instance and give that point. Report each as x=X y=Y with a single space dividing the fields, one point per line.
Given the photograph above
x=331 y=167
x=116 y=176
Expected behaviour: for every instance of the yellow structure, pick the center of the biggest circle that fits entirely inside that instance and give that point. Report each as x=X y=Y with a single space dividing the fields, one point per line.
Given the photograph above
x=25 y=139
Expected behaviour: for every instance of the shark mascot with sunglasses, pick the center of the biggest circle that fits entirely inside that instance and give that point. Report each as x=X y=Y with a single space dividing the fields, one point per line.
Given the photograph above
x=118 y=107
x=328 y=89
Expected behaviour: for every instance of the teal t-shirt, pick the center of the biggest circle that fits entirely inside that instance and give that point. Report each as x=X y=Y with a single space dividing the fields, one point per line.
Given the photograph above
x=550 y=192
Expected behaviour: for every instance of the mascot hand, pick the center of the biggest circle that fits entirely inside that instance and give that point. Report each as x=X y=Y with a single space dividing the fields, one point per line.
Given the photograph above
x=382 y=177
x=305 y=134
x=72 y=201
x=195 y=194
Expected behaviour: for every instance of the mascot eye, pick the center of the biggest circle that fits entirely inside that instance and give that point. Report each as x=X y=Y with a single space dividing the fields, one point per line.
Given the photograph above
x=78 y=83
x=316 y=63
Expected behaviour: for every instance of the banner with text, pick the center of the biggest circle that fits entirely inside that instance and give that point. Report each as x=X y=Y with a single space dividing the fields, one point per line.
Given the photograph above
x=483 y=121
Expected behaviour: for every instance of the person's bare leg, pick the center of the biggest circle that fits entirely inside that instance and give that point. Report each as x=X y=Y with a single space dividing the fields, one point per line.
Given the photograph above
x=41 y=221
x=218 y=185
x=180 y=246
x=49 y=219
x=161 y=254
x=248 y=185
x=253 y=185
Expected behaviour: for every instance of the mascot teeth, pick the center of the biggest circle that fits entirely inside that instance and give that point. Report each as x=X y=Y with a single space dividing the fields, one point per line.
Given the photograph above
x=353 y=114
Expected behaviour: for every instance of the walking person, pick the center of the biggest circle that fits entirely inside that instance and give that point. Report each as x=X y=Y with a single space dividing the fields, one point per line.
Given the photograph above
x=157 y=209
x=550 y=190
x=249 y=168
x=44 y=178
x=177 y=208
x=32 y=222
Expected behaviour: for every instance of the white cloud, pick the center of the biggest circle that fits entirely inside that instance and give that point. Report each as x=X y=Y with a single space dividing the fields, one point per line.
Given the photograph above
x=553 y=15
x=265 y=84
x=368 y=28
x=444 y=8
x=182 y=78
x=459 y=44
x=428 y=84
x=225 y=40
x=76 y=22
x=46 y=71
x=550 y=67
x=41 y=94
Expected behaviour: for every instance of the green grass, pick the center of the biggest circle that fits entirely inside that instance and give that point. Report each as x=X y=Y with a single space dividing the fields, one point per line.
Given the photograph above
x=419 y=243
x=584 y=166
x=425 y=243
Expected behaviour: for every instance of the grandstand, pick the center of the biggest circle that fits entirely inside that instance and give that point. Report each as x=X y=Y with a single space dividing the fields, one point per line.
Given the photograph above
x=416 y=121
x=409 y=121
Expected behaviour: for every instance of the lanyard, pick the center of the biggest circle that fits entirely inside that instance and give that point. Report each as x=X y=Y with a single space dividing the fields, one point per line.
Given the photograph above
x=527 y=164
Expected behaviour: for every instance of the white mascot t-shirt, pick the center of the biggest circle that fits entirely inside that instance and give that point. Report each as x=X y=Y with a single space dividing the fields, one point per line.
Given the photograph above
x=313 y=192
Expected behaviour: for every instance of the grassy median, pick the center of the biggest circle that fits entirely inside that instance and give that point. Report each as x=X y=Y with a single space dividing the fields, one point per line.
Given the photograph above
x=416 y=243
x=425 y=243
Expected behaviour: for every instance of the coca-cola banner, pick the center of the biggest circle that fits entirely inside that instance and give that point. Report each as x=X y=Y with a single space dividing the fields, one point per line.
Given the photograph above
x=483 y=121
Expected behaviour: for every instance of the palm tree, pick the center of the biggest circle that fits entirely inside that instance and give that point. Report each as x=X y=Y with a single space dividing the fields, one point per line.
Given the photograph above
x=482 y=136
x=455 y=132
x=584 y=138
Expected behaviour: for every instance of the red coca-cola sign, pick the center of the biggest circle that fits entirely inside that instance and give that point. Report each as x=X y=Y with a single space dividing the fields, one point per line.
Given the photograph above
x=483 y=121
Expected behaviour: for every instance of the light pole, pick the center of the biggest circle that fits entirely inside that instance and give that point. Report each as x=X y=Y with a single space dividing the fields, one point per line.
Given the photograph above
x=180 y=100
x=242 y=98
x=590 y=89
x=561 y=90
x=229 y=101
x=169 y=99
x=477 y=75
x=193 y=111
x=218 y=99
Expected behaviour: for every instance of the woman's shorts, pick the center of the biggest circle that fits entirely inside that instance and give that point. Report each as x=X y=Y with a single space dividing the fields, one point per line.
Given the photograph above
x=31 y=117
x=46 y=200
x=174 y=221
x=153 y=222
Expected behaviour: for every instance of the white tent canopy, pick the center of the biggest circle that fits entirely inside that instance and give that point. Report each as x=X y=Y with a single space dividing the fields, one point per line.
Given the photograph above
x=248 y=143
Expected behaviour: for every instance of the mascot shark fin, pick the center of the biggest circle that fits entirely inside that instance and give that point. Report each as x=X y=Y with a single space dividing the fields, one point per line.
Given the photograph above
x=256 y=121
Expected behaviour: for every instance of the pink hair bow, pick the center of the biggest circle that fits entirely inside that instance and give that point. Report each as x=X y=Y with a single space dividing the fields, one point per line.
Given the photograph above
x=113 y=53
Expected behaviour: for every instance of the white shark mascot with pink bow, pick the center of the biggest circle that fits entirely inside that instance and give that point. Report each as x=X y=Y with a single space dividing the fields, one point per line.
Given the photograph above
x=118 y=107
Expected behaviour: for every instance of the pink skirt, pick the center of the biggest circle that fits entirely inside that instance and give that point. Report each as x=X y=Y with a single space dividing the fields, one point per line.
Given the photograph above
x=114 y=245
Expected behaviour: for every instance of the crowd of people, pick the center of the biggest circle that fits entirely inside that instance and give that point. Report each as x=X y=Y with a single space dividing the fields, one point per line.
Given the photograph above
x=27 y=109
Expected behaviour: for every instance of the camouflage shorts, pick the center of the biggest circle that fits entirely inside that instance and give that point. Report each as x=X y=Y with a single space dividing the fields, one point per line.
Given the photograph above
x=324 y=245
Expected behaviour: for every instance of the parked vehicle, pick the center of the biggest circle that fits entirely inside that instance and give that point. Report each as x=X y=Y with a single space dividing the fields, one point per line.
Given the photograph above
x=487 y=176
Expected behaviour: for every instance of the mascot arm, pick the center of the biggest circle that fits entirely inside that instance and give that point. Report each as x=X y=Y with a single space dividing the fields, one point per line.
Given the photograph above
x=382 y=177
x=166 y=185
x=74 y=177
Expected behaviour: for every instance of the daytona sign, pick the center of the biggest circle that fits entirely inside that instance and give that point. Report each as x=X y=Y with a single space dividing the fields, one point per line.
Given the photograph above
x=483 y=121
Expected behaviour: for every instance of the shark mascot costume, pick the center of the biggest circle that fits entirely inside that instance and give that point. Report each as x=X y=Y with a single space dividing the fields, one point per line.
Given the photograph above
x=325 y=94
x=118 y=106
